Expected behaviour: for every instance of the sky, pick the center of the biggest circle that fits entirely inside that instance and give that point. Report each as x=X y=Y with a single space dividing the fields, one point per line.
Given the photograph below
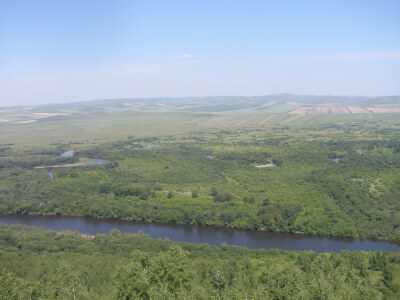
x=66 y=51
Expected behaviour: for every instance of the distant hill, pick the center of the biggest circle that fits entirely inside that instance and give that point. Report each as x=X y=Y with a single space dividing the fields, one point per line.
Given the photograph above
x=268 y=104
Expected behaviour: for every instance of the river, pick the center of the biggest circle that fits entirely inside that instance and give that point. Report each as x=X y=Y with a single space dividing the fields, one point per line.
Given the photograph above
x=201 y=234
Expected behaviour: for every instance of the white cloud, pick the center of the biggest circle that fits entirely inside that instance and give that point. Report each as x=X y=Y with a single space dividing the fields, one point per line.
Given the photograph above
x=186 y=55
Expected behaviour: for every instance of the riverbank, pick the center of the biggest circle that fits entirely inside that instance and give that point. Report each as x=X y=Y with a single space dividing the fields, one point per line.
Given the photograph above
x=379 y=239
x=85 y=162
x=200 y=234
x=52 y=264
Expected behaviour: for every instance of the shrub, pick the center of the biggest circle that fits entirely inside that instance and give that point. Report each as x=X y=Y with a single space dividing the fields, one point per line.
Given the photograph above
x=223 y=197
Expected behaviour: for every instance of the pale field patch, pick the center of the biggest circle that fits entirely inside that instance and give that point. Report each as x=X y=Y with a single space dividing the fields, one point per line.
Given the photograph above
x=338 y=110
x=380 y=110
x=320 y=110
x=25 y=122
x=246 y=121
x=218 y=121
x=358 y=110
x=300 y=111
x=50 y=114
x=264 y=166
x=335 y=109
x=291 y=119
x=266 y=120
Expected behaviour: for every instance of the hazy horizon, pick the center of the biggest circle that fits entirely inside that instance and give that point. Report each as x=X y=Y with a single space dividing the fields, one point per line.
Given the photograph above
x=188 y=97
x=68 y=51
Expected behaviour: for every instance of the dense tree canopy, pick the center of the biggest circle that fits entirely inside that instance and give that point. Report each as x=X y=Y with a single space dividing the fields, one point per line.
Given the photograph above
x=39 y=264
x=176 y=182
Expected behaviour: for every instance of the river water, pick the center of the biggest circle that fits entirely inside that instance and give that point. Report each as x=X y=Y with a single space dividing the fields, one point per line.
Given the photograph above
x=201 y=234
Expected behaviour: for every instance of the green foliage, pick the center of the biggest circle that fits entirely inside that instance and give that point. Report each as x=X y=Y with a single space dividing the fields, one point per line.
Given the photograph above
x=29 y=162
x=111 y=165
x=38 y=264
x=223 y=197
x=157 y=187
x=164 y=277
x=306 y=192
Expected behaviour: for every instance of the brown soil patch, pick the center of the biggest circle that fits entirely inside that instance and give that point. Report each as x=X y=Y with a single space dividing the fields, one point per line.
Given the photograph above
x=339 y=110
x=300 y=111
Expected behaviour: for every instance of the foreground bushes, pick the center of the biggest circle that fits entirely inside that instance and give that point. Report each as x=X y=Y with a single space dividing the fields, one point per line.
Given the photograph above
x=40 y=264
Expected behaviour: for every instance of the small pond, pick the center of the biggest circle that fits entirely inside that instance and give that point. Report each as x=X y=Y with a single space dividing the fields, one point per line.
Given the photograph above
x=68 y=153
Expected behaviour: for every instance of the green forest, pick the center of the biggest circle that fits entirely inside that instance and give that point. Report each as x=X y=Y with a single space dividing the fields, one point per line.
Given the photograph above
x=211 y=179
x=247 y=165
x=39 y=264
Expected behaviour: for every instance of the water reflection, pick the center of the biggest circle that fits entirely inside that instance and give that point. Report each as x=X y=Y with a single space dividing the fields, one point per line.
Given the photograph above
x=68 y=153
x=50 y=172
x=202 y=234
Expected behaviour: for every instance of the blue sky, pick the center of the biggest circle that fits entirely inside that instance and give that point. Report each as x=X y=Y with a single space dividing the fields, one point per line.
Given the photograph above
x=61 y=51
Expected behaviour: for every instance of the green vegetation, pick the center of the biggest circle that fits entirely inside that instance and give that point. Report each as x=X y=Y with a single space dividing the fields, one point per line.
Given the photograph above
x=37 y=264
x=193 y=161
x=175 y=180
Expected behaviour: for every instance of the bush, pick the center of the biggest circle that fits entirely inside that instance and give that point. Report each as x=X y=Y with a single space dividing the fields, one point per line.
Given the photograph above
x=223 y=197
x=111 y=165
x=157 y=187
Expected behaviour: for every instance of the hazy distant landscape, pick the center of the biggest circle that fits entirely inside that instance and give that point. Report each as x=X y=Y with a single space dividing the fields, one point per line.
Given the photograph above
x=154 y=117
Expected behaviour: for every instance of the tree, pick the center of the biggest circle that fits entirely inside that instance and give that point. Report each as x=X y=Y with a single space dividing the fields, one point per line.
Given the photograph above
x=157 y=187
x=69 y=283
x=8 y=286
x=111 y=165
x=223 y=197
x=166 y=276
